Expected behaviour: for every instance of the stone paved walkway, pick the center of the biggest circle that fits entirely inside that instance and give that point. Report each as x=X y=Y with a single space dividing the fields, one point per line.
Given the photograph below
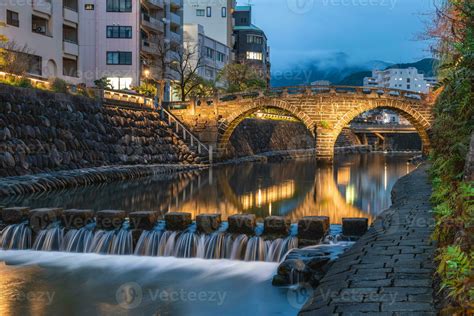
x=389 y=270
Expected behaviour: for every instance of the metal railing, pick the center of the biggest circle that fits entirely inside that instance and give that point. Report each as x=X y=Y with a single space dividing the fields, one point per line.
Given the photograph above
x=187 y=136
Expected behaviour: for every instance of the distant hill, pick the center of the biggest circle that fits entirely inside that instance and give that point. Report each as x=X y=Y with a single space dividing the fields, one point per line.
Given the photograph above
x=355 y=79
x=338 y=70
x=425 y=66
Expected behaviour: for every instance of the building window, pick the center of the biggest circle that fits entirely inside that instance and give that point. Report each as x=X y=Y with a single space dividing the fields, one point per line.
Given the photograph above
x=118 y=83
x=119 y=31
x=243 y=20
x=209 y=53
x=224 y=12
x=254 y=39
x=70 y=34
x=200 y=12
x=208 y=12
x=119 y=5
x=119 y=58
x=35 y=65
x=12 y=18
x=40 y=25
x=209 y=73
x=70 y=67
x=220 y=57
x=254 y=56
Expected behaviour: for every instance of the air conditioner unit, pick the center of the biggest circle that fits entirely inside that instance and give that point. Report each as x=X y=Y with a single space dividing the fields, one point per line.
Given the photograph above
x=40 y=29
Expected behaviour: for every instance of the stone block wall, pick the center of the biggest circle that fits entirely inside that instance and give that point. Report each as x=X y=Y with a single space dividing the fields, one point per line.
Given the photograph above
x=42 y=131
x=254 y=136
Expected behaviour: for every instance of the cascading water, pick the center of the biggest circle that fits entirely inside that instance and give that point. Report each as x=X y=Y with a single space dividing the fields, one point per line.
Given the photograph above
x=156 y=242
x=279 y=247
x=114 y=242
x=16 y=236
x=49 y=239
x=78 y=240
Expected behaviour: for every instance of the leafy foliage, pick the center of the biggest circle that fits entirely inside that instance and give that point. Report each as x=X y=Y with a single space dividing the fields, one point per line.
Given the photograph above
x=453 y=195
x=59 y=85
x=240 y=77
x=103 y=83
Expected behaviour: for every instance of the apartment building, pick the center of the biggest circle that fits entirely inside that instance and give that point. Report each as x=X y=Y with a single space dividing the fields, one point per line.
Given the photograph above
x=213 y=55
x=404 y=79
x=214 y=15
x=85 y=40
x=250 y=42
x=49 y=32
x=120 y=39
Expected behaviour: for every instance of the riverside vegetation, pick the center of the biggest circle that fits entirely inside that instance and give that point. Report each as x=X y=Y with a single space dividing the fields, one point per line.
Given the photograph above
x=452 y=178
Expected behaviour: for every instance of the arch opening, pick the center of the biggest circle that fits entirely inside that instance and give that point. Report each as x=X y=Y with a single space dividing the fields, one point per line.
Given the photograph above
x=265 y=128
x=383 y=122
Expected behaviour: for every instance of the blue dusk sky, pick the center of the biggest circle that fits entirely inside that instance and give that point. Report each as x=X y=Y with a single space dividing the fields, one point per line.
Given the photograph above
x=300 y=31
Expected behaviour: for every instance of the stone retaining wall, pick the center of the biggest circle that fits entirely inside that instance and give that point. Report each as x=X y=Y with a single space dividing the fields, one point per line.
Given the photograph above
x=42 y=132
x=254 y=136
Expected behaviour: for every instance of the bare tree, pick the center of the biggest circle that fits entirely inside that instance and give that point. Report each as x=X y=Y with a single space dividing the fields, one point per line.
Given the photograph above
x=189 y=61
x=16 y=59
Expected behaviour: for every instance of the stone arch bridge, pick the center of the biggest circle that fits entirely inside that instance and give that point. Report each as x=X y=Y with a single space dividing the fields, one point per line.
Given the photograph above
x=325 y=111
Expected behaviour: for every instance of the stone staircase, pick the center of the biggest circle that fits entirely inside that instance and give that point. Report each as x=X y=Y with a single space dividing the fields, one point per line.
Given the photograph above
x=132 y=101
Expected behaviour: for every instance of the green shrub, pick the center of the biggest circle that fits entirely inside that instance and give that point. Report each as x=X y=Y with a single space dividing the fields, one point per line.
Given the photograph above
x=59 y=85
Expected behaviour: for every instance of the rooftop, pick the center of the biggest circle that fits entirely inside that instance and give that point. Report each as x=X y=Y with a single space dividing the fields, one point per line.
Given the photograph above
x=243 y=8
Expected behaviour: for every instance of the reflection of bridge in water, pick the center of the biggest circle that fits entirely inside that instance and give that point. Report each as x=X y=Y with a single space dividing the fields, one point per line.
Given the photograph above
x=356 y=186
x=349 y=189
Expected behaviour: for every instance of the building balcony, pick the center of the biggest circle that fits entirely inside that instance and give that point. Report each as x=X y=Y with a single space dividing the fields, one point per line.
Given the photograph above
x=70 y=48
x=70 y=15
x=175 y=19
x=159 y=4
x=152 y=24
x=175 y=38
x=176 y=3
x=149 y=48
x=43 y=6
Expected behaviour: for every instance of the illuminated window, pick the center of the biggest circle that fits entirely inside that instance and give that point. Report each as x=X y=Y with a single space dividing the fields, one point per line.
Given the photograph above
x=254 y=56
x=118 y=83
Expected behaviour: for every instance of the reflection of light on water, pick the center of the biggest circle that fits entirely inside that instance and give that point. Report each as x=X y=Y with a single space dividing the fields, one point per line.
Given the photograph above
x=343 y=175
x=408 y=167
x=270 y=209
x=350 y=194
x=268 y=195
x=385 y=177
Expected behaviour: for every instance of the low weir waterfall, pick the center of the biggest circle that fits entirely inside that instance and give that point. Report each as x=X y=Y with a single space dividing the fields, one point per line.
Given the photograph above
x=156 y=242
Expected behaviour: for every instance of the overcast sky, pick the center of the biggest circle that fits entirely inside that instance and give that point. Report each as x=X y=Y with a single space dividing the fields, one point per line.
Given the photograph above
x=302 y=30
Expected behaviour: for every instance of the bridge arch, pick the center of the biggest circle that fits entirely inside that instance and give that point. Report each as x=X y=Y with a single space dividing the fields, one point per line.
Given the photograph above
x=228 y=124
x=327 y=140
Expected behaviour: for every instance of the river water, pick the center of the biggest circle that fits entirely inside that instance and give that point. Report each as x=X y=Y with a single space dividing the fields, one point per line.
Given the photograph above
x=357 y=186
x=56 y=283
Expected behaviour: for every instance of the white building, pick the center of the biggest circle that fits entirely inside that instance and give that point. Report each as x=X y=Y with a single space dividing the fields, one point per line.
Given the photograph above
x=214 y=15
x=84 y=40
x=214 y=55
x=119 y=39
x=403 y=79
x=49 y=31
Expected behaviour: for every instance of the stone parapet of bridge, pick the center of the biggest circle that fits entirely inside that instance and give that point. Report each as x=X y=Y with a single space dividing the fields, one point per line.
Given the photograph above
x=325 y=111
